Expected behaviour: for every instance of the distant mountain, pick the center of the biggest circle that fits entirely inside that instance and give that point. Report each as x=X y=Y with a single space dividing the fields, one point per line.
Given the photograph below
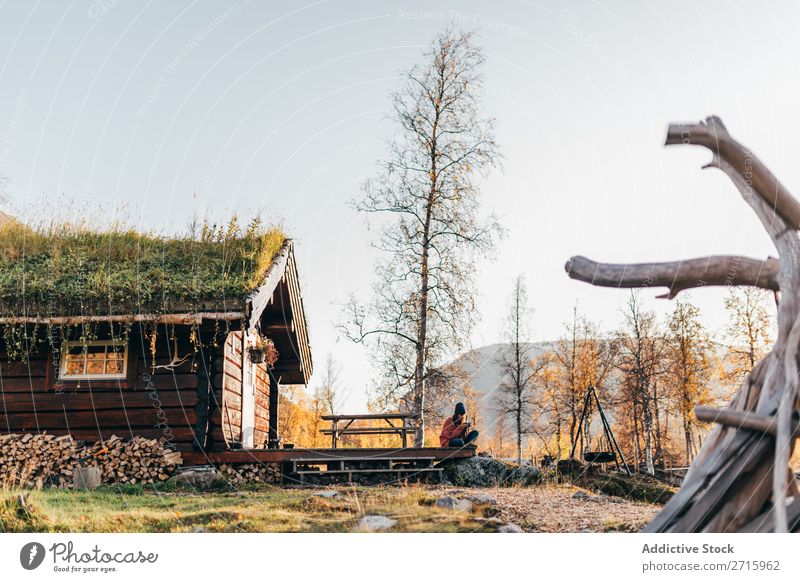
x=481 y=364
x=482 y=367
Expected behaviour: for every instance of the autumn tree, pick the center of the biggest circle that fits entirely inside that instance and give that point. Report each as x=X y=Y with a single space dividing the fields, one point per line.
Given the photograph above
x=690 y=354
x=642 y=351
x=517 y=367
x=583 y=358
x=423 y=306
x=548 y=420
x=748 y=335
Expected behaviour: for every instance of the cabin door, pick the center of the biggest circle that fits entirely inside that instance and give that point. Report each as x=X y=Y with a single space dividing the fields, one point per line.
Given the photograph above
x=248 y=395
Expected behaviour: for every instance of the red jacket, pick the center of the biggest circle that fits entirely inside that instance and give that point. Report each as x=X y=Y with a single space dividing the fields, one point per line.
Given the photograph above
x=450 y=430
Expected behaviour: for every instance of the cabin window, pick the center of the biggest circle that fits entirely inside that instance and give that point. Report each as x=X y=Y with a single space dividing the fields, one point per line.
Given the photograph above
x=94 y=360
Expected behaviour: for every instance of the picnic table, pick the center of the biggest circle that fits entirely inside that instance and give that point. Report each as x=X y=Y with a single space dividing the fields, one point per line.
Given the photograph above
x=396 y=423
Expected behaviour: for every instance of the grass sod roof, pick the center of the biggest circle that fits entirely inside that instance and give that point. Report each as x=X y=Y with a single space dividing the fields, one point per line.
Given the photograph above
x=74 y=271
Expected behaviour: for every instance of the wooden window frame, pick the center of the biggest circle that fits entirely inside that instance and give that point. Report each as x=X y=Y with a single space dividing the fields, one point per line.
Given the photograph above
x=122 y=376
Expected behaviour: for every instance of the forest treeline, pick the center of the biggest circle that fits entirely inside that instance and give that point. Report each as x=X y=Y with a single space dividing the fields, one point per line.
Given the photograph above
x=649 y=374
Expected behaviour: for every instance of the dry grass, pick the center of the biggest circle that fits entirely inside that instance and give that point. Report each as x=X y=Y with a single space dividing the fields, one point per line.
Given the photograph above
x=74 y=268
x=547 y=508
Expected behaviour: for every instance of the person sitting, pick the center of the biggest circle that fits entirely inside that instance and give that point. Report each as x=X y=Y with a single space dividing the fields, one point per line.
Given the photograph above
x=456 y=431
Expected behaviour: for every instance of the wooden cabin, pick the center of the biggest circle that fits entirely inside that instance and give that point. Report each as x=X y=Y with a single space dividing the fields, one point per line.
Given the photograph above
x=184 y=367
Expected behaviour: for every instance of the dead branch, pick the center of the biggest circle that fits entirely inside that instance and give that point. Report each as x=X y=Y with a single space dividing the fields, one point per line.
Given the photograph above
x=741 y=419
x=713 y=135
x=741 y=480
x=677 y=276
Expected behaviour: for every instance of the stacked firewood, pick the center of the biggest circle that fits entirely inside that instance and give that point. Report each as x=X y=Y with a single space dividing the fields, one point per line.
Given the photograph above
x=251 y=473
x=44 y=460
x=37 y=460
x=138 y=460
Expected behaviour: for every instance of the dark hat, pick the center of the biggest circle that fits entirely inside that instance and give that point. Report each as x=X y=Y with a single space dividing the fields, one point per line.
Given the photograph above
x=460 y=409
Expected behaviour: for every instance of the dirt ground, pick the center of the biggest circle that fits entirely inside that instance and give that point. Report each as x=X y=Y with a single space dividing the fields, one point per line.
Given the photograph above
x=552 y=508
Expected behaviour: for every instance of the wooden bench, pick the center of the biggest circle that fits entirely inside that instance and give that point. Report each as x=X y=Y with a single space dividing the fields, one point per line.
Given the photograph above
x=342 y=424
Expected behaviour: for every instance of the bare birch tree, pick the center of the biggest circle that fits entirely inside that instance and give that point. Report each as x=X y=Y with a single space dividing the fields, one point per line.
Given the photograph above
x=748 y=334
x=423 y=305
x=641 y=361
x=329 y=391
x=517 y=367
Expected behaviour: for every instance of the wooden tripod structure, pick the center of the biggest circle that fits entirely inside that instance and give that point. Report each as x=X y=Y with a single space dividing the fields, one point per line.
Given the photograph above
x=740 y=480
x=615 y=450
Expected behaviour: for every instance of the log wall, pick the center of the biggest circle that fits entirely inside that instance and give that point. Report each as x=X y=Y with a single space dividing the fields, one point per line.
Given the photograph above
x=225 y=429
x=151 y=404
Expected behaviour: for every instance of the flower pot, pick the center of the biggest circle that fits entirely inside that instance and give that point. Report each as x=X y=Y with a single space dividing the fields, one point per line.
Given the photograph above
x=257 y=356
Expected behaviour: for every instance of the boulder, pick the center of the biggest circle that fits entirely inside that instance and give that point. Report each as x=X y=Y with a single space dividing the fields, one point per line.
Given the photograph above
x=202 y=478
x=482 y=471
x=524 y=475
x=476 y=472
x=481 y=499
x=510 y=528
x=375 y=523
x=453 y=504
x=327 y=494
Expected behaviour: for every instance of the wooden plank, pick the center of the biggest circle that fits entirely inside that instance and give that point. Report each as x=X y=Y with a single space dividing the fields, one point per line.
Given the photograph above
x=179 y=435
x=32 y=368
x=88 y=400
x=278 y=455
x=390 y=415
x=15 y=422
x=260 y=298
x=358 y=471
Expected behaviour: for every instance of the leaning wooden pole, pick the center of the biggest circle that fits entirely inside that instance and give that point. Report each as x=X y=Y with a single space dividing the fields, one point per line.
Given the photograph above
x=740 y=480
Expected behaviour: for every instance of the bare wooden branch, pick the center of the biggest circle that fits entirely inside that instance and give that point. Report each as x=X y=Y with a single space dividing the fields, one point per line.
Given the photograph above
x=713 y=135
x=728 y=486
x=742 y=419
x=677 y=276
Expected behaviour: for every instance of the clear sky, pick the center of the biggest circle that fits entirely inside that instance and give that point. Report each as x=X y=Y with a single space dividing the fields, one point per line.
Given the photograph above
x=174 y=107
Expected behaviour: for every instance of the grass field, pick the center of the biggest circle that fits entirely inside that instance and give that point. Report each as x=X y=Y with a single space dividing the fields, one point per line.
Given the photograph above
x=273 y=509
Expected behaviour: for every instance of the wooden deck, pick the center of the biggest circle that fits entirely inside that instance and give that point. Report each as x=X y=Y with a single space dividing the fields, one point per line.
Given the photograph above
x=287 y=455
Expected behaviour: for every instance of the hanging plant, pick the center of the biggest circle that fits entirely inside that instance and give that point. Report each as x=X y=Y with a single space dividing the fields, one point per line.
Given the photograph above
x=263 y=350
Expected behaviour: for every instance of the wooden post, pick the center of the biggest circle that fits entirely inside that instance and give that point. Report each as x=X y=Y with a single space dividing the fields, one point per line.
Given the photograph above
x=274 y=441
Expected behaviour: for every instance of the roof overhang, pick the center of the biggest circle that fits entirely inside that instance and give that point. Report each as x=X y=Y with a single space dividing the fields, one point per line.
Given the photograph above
x=276 y=309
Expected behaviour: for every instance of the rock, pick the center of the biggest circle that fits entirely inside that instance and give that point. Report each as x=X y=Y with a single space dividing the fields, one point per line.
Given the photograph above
x=326 y=494
x=524 y=475
x=199 y=529
x=510 y=528
x=586 y=497
x=476 y=472
x=483 y=471
x=86 y=477
x=481 y=499
x=375 y=523
x=453 y=504
x=202 y=478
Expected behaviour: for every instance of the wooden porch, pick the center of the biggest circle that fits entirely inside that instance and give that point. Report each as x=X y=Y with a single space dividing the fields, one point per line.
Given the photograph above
x=314 y=467
x=287 y=455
